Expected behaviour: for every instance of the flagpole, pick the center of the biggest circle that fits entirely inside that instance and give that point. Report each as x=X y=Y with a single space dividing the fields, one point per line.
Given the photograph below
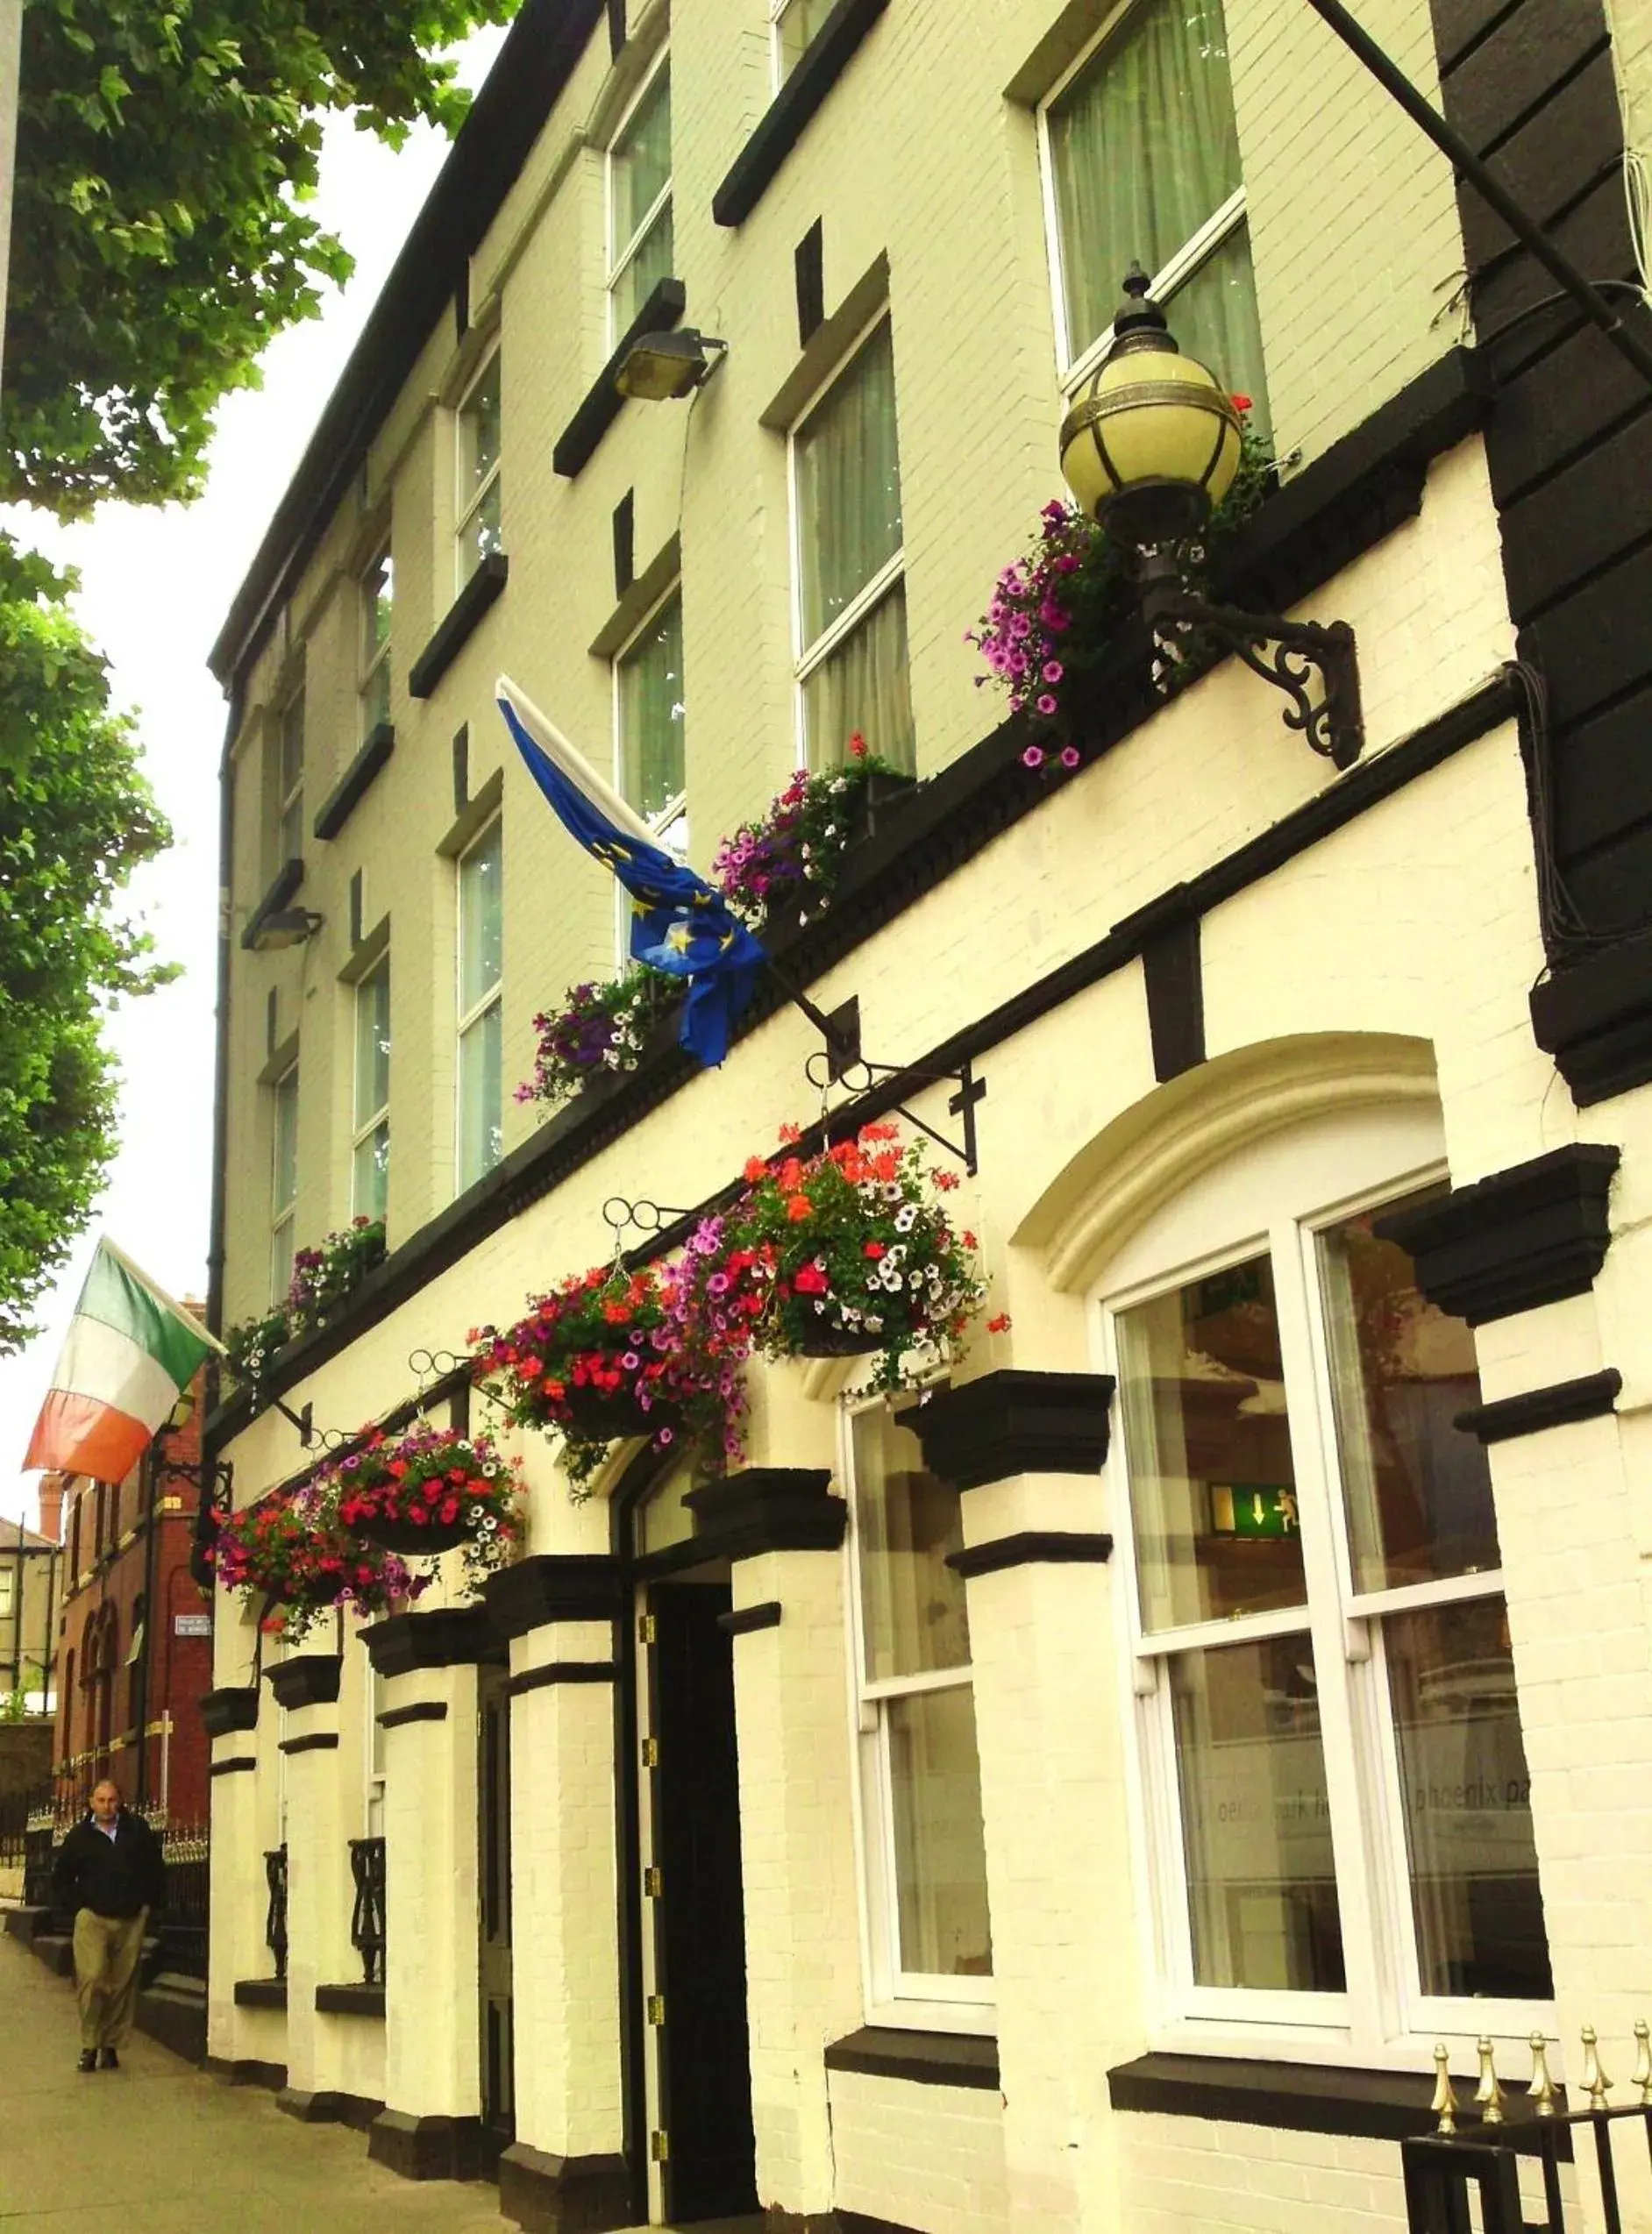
x=837 y=1045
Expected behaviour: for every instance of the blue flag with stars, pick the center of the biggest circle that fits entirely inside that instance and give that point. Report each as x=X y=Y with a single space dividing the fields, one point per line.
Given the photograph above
x=679 y=924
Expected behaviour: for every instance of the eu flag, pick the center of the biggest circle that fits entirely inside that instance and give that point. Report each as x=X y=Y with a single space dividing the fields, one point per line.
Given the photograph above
x=678 y=923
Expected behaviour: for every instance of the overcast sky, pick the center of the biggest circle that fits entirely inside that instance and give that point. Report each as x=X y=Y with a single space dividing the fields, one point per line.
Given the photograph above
x=154 y=588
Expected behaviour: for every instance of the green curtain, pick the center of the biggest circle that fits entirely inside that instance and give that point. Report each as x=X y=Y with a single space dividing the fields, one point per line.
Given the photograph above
x=651 y=707
x=1212 y=315
x=862 y=686
x=1144 y=151
x=848 y=486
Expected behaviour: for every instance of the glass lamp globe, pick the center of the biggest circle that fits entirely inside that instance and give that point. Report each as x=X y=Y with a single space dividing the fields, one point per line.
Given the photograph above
x=1152 y=442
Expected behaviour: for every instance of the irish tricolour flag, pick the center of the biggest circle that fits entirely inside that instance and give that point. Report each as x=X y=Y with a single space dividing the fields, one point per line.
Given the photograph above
x=131 y=1351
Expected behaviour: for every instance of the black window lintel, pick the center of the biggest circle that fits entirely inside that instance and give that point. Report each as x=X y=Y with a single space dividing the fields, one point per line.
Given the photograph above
x=456 y=628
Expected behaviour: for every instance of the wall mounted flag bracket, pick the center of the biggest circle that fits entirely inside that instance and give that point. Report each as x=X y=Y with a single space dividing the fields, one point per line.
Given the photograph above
x=859 y=1077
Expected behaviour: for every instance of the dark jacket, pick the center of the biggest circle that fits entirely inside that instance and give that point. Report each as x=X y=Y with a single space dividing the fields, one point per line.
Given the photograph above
x=112 y=1877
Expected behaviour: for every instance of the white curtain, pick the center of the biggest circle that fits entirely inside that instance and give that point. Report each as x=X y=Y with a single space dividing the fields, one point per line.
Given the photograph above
x=848 y=486
x=862 y=686
x=652 y=709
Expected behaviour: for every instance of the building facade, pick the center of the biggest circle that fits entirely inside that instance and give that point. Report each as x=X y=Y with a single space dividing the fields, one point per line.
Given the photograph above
x=31 y=1591
x=1125 y=1764
x=134 y=1639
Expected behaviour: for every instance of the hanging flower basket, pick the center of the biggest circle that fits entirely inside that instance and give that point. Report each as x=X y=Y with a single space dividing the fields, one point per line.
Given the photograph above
x=781 y=870
x=428 y=1493
x=291 y=1552
x=854 y=1252
x=606 y=1415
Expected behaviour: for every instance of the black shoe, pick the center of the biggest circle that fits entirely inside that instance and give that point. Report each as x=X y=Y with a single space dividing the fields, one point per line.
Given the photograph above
x=88 y=2060
x=108 y=2060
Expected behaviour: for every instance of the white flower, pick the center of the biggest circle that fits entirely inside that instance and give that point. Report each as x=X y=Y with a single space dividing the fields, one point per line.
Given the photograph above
x=874 y=1325
x=906 y=1218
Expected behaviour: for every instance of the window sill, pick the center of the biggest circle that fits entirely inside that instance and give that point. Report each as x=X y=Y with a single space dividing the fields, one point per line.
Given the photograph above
x=456 y=629
x=924 y=2059
x=578 y=440
x=785 y=120
x=346 y=795
x=350 y=2001
x=1302 y=2098
x=288 y=878
x=261 y=1993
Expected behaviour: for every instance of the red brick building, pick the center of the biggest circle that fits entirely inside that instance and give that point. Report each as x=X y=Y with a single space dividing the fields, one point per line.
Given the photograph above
x=135 y=1640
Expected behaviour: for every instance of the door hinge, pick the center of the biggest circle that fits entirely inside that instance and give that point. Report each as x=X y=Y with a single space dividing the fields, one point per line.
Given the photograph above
x=647 y=1628
x=657 y=2008
x=660 y=2146
x=652 y=1884
x=650 y=1753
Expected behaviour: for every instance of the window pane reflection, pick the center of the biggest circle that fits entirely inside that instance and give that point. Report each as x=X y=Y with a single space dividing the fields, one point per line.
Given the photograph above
x=940 y=1856
x=906 y=1521
x=1467 y=1798
x=1256 y=1818
x=1207 y=1436
x=1418 y=1489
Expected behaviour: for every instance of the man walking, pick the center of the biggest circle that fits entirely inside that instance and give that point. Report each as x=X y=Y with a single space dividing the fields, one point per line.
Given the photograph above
x=109 y=1871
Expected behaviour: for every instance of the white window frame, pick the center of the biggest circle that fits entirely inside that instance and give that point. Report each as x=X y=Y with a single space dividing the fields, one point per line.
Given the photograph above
x=616 y=259
x=363 y=1127
x=283 y=1215
x=806 y=658
x=375 y=658
x=1076 y=369
x=779 y=11
x=8 y=1597
x=289 y=797
x=372 y=1753
x=470 y=1017
x=1382 y=2017
x=465 y=512
x=918 y=2000
x=664 y=823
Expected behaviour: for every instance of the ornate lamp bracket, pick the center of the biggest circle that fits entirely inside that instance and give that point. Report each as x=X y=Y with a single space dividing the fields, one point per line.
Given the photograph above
x=1288 y=654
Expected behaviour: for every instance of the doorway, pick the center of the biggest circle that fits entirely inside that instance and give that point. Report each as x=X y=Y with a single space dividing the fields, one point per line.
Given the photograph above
x=492 y=1782
x=703 y=2146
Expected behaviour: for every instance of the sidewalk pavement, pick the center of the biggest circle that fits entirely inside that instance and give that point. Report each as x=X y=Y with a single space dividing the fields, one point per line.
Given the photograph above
x=159 y=2147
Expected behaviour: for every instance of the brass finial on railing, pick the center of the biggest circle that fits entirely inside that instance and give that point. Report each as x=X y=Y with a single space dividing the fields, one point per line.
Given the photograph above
x=1642 y=2076
x=1444 y=2104
x=1488 y=2096
x=1596 y=2084
x=1541 y=2094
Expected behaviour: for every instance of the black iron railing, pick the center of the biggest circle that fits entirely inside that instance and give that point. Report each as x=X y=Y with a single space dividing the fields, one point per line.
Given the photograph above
x=275 y=1921
x=366 y=1919
x=39 y=1844
x=184 y=1913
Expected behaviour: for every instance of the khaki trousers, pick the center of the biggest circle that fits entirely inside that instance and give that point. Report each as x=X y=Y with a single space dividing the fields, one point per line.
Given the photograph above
x=106 y=1952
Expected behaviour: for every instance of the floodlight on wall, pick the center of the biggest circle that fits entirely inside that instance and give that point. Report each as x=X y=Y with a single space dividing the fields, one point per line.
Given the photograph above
x=286 y=926
x=658 y=368
x=1150 y=448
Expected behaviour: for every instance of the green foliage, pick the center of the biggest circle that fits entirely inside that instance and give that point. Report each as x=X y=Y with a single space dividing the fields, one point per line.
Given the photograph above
x=165 y=149
x=76 y=818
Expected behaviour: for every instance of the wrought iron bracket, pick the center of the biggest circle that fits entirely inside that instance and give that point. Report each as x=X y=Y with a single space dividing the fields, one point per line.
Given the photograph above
x=304 y=1421
x=644 y=1215
x=1288 y=654
x=823 y=1068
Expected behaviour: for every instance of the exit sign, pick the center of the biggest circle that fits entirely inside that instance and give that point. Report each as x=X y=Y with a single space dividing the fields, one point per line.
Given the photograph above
x=1252 y=1509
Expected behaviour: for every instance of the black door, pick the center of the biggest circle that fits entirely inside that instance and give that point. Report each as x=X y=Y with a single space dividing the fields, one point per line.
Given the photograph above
x=494 y=1919
x=699 y=1916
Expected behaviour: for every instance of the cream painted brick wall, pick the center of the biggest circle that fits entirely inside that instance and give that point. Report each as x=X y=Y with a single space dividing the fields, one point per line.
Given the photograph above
x=1631 y=22
x=930 y=2158
x=959 y=216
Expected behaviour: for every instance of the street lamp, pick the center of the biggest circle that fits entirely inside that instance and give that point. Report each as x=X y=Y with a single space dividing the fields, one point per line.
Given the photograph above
x=1148 y=449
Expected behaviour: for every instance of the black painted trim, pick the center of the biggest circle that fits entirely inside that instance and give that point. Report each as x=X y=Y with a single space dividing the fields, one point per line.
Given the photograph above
x=246 y=2071
x=241 y=1761
x=283 y=889
x=554 y=1586
x=1174 y=976
x=1298 y=2098
x=346 y=794
x=600 y=405
x=1593 y=1015
x=450 y=1637
x=1337 y=508
x=745 y=1619
x=571 y=2194
x=327 y=2106
x=395 y=1717
x=561 y=1671
x=766 y=1508
x=261 y=1993
x=457 y=624
x=540 y=53
x=926 y=2059
x=426 y=2148
x=354 y=1999
x=1533 y=1235
x=1032 y=1548
x=1590 y=1396
x=1014 y=1421
x=310 y=1679
x=314 y=1742
x=231 y=1707
x=785 y=120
